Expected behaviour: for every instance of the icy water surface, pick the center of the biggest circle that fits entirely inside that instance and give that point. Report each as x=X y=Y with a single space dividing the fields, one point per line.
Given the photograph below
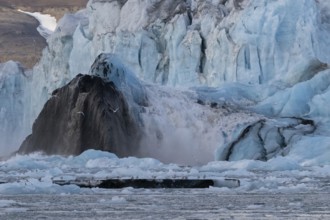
x=166 y=204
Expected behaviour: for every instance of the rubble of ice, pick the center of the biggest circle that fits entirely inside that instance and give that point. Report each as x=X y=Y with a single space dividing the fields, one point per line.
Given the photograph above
x=35 y=174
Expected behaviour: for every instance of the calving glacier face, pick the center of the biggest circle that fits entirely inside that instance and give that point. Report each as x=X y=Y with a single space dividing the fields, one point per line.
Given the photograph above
x=259 y=56
x=12 y=85
x=176 y=125
x=192 y=43
x=180 y=128
x=266 y=41
x=111 y=68
x=263 y=41
x=113 y=110
x=201 y=124
x=52 y=71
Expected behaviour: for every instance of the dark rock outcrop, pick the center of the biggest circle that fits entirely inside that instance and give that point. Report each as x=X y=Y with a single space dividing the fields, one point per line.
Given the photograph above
x=87 y=113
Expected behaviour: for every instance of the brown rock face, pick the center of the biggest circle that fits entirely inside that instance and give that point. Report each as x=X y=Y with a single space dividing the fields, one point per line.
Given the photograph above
x=19 y=38
x=87 y=113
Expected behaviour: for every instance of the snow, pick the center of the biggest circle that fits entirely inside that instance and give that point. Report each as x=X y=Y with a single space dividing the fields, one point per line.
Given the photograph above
x=12 y=85
x=47 y=22
x=191 y=134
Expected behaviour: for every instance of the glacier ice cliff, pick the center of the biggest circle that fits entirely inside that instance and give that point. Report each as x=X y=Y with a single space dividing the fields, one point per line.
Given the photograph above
x=265 y=57
x=13 y=80
x=112 y=110
x=191 y=43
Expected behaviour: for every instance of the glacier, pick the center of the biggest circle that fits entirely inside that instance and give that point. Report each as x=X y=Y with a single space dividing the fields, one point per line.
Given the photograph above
x=209 y=69
x=13 y=81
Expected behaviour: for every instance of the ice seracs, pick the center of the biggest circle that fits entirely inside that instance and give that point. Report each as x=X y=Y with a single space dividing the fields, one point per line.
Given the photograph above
x=194 y=42
x=13 y=79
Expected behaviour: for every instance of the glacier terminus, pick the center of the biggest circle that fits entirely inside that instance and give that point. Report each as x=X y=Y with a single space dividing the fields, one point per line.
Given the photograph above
x=219 y=89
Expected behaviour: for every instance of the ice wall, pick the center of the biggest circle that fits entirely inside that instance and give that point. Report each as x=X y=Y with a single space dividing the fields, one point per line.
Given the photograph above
x=207 y=42
x=196 y=42
x=52 y=71
x=13 y=80
x=261 y=55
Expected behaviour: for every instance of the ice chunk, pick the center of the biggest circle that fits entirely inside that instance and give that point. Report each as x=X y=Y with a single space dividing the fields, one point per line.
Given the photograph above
x=110 y=68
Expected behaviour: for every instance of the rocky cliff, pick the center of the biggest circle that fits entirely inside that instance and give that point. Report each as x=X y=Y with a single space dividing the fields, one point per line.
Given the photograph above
x=13 y=80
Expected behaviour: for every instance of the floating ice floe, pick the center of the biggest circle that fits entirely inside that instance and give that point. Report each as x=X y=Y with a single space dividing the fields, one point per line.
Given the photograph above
x=35 y=174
